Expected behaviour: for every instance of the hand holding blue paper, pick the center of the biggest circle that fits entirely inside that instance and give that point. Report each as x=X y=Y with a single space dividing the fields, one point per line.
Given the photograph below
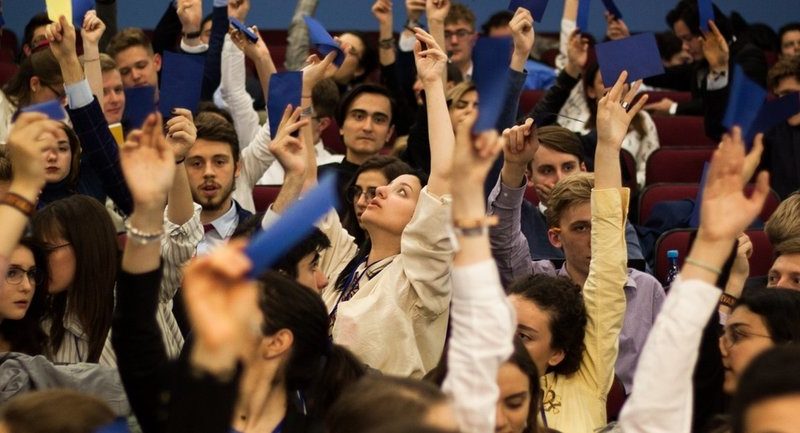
x=746 y=98
x=284 y=88
x=238 y=25
x=181 y=82
x=536 y=7
x=53 y=109
x=636 y=54
x=139 y=103
x=323 y=40
x=490 y=58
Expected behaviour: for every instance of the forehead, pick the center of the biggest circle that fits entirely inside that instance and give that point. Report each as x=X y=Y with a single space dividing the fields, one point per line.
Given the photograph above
x=408 y=179
x=786 y=264
x=21 y=256
x=469 y=96
x=353 y=40
x=371 y=103
x=529 y=314
x=546 y=156
x=511 y=379
x=743 y=316
x=577 y=212
x=39 y=32
x=210 y=148
x=112 y=77
x=787 y=85
x=458 y=25
x=681 y=29
x=372 y=178
x=132 y=54
x=776 y=415
x=791 y=35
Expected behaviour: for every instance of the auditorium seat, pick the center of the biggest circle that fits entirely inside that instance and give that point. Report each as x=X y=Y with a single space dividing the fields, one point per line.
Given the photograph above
x=763 y=253
x=657 y=95
x=264 y=195
x=681 y=131
x=676 y=239
x=528 y=100
x=7 y=70
x=677 y=164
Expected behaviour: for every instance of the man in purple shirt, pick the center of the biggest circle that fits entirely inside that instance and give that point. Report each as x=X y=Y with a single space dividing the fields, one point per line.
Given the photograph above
x=569 y=222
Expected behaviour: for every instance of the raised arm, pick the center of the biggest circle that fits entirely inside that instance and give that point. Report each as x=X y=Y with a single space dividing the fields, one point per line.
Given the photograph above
x=436 y=11
x=546 y=110
x=290 y=152
x=259 y=54
x=91 y=32
x=382 y=10
x=315 y=71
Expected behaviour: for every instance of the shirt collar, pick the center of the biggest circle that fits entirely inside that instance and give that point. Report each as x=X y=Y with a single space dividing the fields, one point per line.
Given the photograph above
x=226 y=223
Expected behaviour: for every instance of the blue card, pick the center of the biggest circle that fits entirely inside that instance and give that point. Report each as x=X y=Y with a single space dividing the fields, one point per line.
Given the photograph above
x=269 y=245
x=120 y=425
x=53 y=109
x=637 y=54
x=2 y=20
x=612 y=9
x=139 y=103
x=744 y=101
x=243 y=28
x=79 y=9
x=323 y=40
x=582 y=21
x=284 y=88
x=706 y=12
x=694 y=219
x=536 y=7
x=490 y=59
x=773 y=113
x=181 y=82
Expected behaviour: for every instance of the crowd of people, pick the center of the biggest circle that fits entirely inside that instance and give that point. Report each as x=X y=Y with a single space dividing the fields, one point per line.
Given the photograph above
x=437 y=297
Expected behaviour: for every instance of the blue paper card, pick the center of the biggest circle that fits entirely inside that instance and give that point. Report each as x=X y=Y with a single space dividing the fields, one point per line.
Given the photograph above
x=267 y=246
x=694 y=219
x=612 y=9
x=139 y=103
x=773 y=113
x=637 y=54
x=2 y=20
x=238 y=25
x=120 y=425
x=746 y=97
x=536 y=7
x=53 y=109
x=79 y=9
x=181 y=82
x=490 y=73
x=284 y=88
x=582 y=21
x=323 y=40
x=706 y=12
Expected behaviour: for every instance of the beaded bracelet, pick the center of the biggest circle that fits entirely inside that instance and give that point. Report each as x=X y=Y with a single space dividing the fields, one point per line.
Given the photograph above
x=140 y=237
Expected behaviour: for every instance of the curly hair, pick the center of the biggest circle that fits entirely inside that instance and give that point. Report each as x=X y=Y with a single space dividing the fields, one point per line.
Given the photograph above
x=562 y=300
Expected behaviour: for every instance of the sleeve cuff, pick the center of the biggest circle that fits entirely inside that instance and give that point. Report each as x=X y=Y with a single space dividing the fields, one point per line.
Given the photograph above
x=673 y=108
x=197 y=49
x=220 y=3
x=477 y=281
x=406 y=43
x=79 y=94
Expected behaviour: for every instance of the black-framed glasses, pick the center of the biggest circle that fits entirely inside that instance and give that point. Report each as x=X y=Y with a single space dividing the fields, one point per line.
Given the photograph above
x=51 y=248
x=459 y=34
x=15 y=274
x=354 y=193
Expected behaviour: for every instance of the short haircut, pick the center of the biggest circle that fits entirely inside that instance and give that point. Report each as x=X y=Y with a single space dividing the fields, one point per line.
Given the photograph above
x=789 y=246
x=790 y=27
x=41 y=64
x=560 y=139
x=213 y=127
x=6 y=171
x=127 y=38
x=458 y=91
x=36 y=21
x=212 y=108
x=687 y=11
x=779 y=309
x=784 y=68
x=500 y=19
x=458 y=13
x=570 y=191
x=56 y=411
x=562 y=300
x=325 y=98
x=366 y=88
x=668 y=45
x=314 y=243
x=107 y=63
x=784 y=223
x=770 y=375
x=369 y=57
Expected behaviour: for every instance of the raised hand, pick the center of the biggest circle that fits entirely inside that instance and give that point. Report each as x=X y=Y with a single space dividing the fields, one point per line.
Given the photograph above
x=415 y=9
x=31 y=134
x=577 y=54
x=521 y=144
x=238 y=9
x=431 y=61
x=473 y=157
x=317 y=70
x=92 y=29
x=715 y=48
x=181 y=133
x=437 y=10
x=382 y=10
x=148 y=164
x=253 y=50
x=190 y=13
x=288 y=149
x=522 y=32
x=740 y=270
x=615 y=27
x=616 y=110
x=62 y=37
x=726 y=211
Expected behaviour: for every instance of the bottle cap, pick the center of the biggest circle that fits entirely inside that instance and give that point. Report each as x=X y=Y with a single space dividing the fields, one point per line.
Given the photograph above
x=672 y=254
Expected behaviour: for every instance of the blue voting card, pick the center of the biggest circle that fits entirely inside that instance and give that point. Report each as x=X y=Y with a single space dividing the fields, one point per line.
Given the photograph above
x=120 y=425
x=181 y=82
x=744 y=101
x=79 y=9
x=636 y=54
x=612 y=9
x=772 y=113
x=284 y=88
x=267 y=246
x=582 y=21
x=490 y=58
x=536 y=7
x=323 y=40
x=694 y=219
x=238 y=25
x=2 y=20
x=53 y=109
x=706 y=11
x=139 y=103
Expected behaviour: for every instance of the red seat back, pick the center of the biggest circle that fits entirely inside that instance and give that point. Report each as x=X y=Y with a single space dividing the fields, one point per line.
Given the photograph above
x=677 y=239
x=264 y=195
x=657 y=95
x=7 y=70
x=528 y=100
x=763 y=253
x=681 y=131
x=677 y=164
x=660 y=192
x=331 y=138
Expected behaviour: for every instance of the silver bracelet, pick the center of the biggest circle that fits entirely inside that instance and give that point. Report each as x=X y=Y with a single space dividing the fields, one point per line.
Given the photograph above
x=140 y=237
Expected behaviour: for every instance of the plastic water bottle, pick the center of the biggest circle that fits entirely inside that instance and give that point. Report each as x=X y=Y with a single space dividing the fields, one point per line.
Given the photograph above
x=672 y=270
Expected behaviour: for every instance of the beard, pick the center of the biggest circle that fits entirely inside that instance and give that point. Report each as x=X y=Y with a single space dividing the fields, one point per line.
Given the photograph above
x=216 y=202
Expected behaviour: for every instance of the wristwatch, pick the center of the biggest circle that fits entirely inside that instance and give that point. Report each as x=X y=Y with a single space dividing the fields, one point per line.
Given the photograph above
x=192 y=35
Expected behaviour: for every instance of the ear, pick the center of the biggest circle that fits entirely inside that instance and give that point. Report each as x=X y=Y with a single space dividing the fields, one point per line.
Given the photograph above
x=554 y=237
x=389 y=134
x=276 y=345
x=238 y=169
x=583 y=167
x=324 y=123
x=157 y=61
x=35 y=84
x=529 y=175
x=556 y=357
x=27 y=50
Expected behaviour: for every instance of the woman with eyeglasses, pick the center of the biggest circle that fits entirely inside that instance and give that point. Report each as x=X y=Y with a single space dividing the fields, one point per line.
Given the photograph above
x=22 y=298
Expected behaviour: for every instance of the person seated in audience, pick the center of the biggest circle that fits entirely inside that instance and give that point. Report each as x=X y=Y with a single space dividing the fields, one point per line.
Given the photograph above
x=360 y=60
x=22 y=299
x=785 y=270
x=34 y=34
x=113 y=91
x=559 y=155
x=768 y=393
x=789 y=36
x=671 y=50
x=56 y=411
x=595 y=234
x=137 y=63
x=784 y=223
x=781 y=142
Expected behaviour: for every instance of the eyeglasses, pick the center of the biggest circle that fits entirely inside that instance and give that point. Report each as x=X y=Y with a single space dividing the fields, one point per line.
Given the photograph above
x=15 y=274
x=354 y=193
x=733 y=335
x=51 y=248
x=459 y=34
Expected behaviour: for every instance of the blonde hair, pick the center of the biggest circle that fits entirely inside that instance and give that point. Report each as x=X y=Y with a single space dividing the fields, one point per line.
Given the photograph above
x=570 y=191
x=459 y=12
x=458 y=91
x=784 y=224
x=788 y=246
x=107 y=63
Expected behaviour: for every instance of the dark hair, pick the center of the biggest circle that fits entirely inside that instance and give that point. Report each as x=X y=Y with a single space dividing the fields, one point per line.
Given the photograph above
x=784 y=68
x=790 y=27
x=127 y=38
x=211 y=107
x=499 y=19
x=315 y=366
x=562 y=300
x=369 y=58
x=41 y=64
x=560 y=139
x=75 y=163
x=325 y=98
x=589 y=75
x=779 y=309
x=36 y=21
x=522 y=360
x=212 y=127
x=668 y=45
x=85 y=224
x=26 y=335
x=6 y=169
x=314 y=243
x=391 y=168
x=687 y=11
x=377 y=401
x=772 y=374
x=56 y=411
x=349 y=97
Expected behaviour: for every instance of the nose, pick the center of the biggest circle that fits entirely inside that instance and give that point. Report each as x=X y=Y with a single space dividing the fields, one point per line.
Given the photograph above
x=723 y=346
x=51 y=155
x=367 y=125
x=362 y=201
x=209 y=170
x=500 y=420
x=382 y=191
x=26 y=285
x=321 y=280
